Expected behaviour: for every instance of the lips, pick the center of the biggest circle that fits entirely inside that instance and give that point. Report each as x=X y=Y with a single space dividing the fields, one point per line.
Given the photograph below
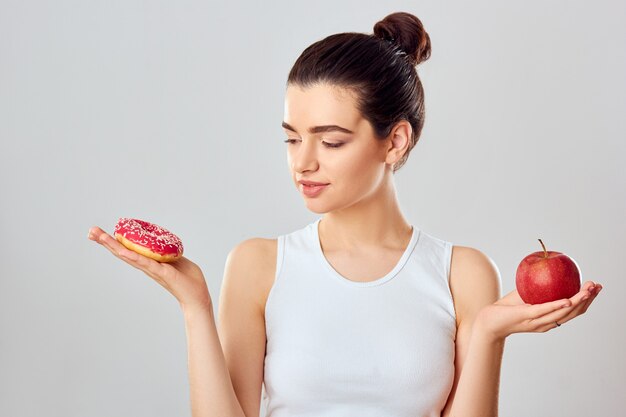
x=312 y=190
x=312 y=183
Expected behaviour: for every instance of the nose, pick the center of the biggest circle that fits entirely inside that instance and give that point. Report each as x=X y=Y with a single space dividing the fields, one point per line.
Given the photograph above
x=304 y=157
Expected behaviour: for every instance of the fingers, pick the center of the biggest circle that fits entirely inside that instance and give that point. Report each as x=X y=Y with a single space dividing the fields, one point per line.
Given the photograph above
x=113 y=245
x=538 y=311
x=578 y=305
x=582 y=307
x=100 y=236
x=151 y=267
x=94 y=232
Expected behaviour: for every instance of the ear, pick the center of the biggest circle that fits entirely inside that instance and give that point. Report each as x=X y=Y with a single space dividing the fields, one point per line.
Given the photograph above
x=399 y=140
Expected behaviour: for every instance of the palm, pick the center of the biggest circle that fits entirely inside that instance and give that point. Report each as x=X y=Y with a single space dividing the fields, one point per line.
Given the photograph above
x=183 y=278
x=510 y=314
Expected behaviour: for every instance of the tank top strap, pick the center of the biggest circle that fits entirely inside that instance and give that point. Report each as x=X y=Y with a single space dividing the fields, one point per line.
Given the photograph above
x=336 y=349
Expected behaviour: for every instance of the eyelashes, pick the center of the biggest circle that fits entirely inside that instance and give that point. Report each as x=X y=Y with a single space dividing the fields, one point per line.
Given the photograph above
x=327 y=144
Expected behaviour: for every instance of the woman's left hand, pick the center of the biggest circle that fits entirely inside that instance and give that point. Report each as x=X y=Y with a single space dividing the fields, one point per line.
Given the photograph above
x=511 y=315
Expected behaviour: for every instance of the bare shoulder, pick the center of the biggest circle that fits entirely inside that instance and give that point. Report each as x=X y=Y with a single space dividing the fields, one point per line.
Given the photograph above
x=474 y=280
x=241 y=322
x=254 y=264
x=254 y=250
x=474 y=283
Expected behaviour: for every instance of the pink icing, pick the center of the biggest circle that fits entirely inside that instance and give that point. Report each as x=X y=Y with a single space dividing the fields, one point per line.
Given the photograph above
x=149 y=235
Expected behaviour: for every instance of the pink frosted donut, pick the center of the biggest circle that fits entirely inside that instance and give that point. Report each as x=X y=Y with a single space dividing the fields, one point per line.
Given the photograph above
x=148 y=239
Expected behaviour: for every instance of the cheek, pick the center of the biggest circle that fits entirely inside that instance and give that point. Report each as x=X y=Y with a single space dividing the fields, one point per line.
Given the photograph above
x=357 y=169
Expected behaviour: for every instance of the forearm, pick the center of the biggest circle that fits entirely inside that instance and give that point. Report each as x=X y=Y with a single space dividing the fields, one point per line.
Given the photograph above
x=211 y=389
x=478 y=388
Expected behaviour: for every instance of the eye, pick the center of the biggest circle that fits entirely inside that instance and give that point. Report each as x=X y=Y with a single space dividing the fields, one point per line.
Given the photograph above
x=326 y=144
x=332 y=145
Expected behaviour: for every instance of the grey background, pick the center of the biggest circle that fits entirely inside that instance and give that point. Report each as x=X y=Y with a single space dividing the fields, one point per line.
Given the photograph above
x=171 y=111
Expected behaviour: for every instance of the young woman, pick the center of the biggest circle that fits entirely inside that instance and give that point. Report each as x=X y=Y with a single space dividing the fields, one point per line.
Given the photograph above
x=358 y=313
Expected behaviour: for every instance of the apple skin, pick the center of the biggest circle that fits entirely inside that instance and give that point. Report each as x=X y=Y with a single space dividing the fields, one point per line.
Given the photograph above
x=547 y=276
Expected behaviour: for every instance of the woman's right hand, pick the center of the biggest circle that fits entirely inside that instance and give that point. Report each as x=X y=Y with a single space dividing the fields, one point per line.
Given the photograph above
x=182 y=278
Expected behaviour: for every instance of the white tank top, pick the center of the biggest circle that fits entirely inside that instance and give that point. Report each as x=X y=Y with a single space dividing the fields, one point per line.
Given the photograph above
x=342 y=348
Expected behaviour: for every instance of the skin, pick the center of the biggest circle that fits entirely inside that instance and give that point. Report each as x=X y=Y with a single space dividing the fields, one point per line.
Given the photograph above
x=361 y=190
x=226 y=367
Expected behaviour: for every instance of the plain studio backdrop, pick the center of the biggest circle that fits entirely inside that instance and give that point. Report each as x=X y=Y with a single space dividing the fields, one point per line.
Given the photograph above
x=171 y=111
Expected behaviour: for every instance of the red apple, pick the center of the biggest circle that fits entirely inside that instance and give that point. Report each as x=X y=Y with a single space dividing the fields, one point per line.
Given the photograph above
x=547 y=276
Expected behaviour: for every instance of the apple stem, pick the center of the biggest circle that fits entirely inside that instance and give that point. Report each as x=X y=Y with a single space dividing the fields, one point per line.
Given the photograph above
x=545 y=252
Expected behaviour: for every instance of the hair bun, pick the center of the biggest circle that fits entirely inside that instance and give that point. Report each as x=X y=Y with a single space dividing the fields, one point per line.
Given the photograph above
x=408 y=33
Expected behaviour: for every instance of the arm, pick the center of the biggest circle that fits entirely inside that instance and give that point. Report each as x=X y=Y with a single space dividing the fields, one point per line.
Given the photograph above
x=478 y=387
x=211 y=390
x=226 y=361
x=475 y=283
x=483 y=326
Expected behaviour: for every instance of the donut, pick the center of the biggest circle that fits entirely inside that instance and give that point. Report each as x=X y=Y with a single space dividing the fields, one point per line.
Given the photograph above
x=148 y=239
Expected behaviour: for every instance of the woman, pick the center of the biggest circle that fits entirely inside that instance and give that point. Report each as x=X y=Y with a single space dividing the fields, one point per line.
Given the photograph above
x=358 y=313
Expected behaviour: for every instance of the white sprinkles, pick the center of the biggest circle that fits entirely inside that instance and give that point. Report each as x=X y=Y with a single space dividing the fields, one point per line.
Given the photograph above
x=149 y=235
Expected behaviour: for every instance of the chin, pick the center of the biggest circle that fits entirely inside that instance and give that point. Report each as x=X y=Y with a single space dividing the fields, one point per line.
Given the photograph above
x=317 y=209
x=321 y=206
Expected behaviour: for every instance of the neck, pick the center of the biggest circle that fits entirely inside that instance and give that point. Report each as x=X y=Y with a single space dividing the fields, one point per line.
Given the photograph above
x=373 y=221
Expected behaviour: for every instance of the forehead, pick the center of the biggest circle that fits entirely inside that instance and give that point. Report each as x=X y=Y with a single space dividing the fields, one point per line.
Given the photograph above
x=320 y=104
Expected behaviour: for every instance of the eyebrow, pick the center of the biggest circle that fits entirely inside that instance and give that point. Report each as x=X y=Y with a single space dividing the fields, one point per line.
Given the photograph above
x=320 y=129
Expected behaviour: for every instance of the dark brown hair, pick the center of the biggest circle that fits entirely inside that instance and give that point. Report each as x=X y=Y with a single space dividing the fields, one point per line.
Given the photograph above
x=379 y=68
